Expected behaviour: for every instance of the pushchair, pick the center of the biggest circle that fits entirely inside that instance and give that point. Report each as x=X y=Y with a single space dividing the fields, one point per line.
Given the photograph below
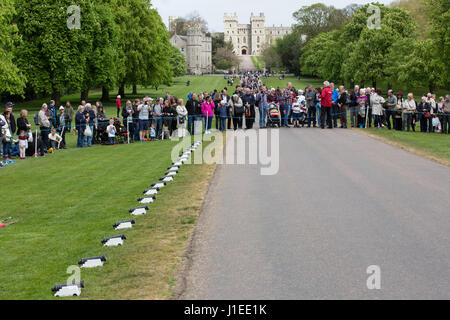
x=274 y=116
x=121 y=132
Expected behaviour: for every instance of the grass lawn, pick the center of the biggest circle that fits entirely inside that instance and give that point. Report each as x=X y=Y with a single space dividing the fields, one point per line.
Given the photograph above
x=66 y=203
x=434 y=146
x=258 y=62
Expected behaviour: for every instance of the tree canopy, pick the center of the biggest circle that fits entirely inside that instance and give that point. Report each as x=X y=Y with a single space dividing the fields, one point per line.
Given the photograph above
x=113 y=43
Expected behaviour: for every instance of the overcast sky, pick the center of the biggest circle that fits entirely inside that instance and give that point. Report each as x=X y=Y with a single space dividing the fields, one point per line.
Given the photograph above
x=213 y=10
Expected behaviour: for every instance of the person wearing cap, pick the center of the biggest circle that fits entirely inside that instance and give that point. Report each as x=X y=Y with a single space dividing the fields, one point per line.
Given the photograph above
x=325 y=111
x=223 y=114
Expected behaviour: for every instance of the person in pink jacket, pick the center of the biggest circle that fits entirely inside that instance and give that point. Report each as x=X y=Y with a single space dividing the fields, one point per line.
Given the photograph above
x=208 y=113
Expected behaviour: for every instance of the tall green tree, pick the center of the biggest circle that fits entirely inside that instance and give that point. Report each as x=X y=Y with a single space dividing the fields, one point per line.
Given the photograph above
x=177 y=62
x=103 y=57
x=368 y=58
x=52 y=55
x=289 y=49
x=322 y=56
x=439 y=14
x=318 y=18
x=144 y=51
x=12 y=80
x=416 y=63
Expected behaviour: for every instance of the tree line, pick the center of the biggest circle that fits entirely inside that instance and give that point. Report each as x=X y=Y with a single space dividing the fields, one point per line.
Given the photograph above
x=118 y=43
x=348 y=50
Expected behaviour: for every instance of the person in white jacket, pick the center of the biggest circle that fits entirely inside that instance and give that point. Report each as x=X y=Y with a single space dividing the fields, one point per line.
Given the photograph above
x=182 y=118
x=377 y=101
x=6 y=136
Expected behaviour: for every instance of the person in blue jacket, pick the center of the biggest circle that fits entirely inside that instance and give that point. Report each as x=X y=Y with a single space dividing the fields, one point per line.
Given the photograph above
x=334 y=106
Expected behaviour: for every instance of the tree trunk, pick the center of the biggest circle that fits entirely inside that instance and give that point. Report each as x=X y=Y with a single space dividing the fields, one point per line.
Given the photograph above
x=84 y=95
x=374 y=84
x=122 y=91
x=431 y=88
x=134 y=90
x=389 y=86
x=105 y=95
x=56 y=96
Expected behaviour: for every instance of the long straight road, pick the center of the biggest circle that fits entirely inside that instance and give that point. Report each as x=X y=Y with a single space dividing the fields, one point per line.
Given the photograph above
x=340 y=203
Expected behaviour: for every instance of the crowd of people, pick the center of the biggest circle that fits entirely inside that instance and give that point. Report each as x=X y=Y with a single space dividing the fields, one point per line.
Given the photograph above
x=162 y=118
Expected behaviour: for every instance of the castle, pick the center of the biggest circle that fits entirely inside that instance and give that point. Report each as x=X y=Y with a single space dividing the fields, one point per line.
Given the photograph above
x=251 y=39
x=196 y=47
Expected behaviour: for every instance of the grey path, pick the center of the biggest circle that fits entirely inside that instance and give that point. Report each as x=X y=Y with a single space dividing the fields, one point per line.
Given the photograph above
x=340 y=203
x=246 y=63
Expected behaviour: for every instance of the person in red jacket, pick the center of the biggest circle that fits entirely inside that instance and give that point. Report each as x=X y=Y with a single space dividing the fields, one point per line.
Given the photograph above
x=325 y=101
x=118 y=105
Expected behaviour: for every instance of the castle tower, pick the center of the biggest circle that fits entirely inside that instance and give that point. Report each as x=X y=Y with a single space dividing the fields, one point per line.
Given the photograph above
x=206 y=54
x=194 y=50
x=258 y=31
x=231 y=23
x=173 y=24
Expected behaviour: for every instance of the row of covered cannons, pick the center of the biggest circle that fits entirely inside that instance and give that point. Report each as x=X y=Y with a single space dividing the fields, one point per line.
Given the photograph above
x=74 y=289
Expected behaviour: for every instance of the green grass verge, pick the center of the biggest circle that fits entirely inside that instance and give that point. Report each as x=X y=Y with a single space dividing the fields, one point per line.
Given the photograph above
x=435 y=146
x=66 y=203
x=258 y=62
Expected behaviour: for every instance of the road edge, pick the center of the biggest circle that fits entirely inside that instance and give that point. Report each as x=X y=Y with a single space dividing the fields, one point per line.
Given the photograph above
x=409 y=149
x=180 y=286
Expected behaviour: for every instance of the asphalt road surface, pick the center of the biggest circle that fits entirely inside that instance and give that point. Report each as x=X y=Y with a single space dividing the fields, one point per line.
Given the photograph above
x=340 y=203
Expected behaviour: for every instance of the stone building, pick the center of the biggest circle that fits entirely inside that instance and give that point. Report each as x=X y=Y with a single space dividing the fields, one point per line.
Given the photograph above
x=196 y=47
x=251 y=39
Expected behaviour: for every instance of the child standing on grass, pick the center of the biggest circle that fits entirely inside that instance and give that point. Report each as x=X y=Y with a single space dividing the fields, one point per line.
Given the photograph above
x=23 y=143
x=111 y=130
x=152 y=133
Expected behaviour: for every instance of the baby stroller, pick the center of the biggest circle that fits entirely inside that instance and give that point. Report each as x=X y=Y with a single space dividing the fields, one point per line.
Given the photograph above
x=274 y=117
x=121 y=132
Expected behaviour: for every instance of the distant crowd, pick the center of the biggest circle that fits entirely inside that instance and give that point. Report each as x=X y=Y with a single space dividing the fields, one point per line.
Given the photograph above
x=251 y=101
